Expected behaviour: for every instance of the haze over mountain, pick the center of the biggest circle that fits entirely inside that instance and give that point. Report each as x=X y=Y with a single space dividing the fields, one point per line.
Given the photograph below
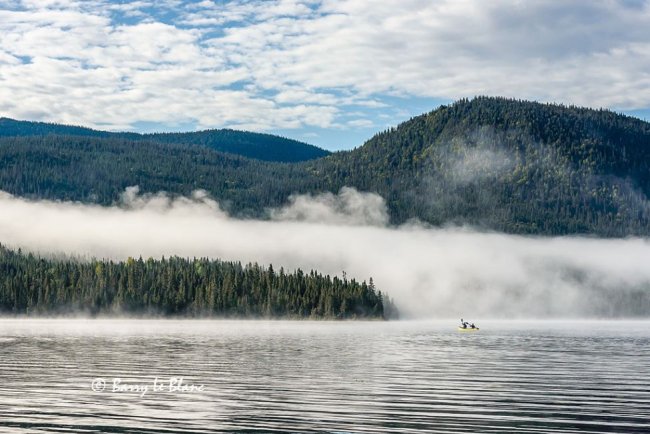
x=492 y=163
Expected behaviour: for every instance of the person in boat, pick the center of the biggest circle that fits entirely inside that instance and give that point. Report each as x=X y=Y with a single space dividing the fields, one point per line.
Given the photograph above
x=473 y=326
x=463 y=323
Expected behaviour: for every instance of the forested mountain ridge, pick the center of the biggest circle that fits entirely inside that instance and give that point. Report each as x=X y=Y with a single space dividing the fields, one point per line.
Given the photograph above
x=259 y=146
x=97 y=170
x=493 y=163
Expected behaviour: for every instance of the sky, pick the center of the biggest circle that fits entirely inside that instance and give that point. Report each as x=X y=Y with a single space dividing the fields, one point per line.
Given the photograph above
x=328 y=72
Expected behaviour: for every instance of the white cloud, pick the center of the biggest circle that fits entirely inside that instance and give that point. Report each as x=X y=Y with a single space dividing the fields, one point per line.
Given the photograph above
x=360 y=123
x=266 y=61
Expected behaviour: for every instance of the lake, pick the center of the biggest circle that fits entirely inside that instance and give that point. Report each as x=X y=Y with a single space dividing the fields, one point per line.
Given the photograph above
x=301 y=376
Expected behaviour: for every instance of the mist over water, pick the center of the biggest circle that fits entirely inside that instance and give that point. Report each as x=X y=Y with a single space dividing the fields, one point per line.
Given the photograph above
x=449 y=272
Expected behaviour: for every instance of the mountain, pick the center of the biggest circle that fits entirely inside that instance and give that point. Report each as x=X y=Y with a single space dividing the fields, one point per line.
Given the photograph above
x=251 y=145
x=493 y=163
x=512 y=166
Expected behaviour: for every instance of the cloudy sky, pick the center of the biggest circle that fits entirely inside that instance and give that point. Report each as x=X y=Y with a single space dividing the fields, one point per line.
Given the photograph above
x=330 y=72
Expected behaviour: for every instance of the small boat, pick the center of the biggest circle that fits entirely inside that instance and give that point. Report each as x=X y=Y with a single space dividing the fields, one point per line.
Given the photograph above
x=467 y=329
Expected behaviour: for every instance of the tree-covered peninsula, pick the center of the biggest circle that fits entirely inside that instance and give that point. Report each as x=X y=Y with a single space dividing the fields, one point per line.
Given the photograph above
x=30 y=284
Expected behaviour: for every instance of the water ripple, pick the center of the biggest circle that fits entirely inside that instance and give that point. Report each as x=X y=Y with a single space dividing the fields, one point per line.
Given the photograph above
x=404 y=377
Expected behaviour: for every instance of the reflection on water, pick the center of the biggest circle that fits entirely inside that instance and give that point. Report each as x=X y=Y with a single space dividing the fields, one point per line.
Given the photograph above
x=325 y=376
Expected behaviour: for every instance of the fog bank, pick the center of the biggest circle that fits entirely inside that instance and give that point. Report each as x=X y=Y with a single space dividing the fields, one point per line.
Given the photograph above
x=430 y=272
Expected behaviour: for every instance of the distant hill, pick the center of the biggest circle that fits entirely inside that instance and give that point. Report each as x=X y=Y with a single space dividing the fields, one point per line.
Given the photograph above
x=493 y=163
x=265 y=147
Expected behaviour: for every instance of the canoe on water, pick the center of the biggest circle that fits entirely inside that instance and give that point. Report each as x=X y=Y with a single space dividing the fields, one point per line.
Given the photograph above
x=468 y=329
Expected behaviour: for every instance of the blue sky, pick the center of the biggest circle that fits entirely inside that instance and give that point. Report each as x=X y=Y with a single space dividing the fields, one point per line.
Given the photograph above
x=329 y=72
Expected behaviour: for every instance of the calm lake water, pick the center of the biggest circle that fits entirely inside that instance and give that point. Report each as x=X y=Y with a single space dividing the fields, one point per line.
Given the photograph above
x=268 y=376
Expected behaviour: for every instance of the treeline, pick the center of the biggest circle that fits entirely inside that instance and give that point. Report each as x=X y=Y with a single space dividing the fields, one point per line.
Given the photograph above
x=493 y=163
x=36 y=285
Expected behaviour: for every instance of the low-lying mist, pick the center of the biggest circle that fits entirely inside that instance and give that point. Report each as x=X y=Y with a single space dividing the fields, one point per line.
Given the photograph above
x=450 y=272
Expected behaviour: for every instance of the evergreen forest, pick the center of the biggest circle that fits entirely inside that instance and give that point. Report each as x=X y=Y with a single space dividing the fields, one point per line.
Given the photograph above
x=35 y=285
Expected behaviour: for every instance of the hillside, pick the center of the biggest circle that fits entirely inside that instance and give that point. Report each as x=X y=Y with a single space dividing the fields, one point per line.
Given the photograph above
x=498 y=164
x=251 y=145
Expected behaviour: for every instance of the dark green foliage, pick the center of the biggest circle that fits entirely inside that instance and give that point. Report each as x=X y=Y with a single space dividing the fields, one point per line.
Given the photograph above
x=251 y=145
x=198 y=287
x=493 y=163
